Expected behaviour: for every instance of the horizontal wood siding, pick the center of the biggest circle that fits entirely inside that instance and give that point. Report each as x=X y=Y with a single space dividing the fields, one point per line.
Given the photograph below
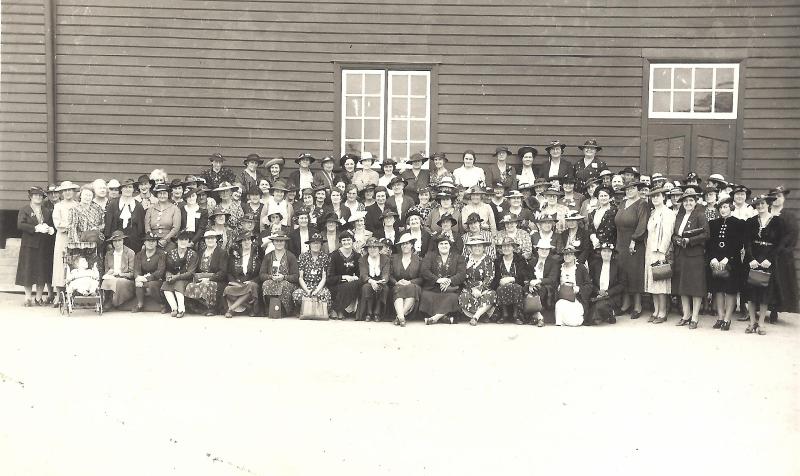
x=23 y=112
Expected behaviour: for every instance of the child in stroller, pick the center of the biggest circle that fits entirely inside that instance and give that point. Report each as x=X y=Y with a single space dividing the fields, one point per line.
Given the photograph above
x=82 y=279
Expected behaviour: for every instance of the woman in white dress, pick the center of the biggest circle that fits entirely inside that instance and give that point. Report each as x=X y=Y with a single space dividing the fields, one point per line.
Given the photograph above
x=61 y=213
x=468 y=175
x=659 y=240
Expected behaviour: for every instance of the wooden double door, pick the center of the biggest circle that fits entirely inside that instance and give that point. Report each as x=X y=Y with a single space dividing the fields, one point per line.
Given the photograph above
x=677 y=149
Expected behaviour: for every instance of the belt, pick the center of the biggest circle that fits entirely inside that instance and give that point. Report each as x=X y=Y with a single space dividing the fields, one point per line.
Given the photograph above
x=763 y=243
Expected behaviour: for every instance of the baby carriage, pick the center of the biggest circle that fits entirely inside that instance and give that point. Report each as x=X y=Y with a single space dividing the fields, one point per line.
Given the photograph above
x=82 y=276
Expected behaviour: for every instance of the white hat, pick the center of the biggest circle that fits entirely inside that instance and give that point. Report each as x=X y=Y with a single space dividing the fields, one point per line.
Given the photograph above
x=113 y=183
x=406 y=238
x=67 y=185
x=543 y=243
x=357 y=215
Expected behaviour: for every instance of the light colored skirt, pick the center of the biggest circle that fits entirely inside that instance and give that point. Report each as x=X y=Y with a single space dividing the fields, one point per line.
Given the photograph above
x=123 y=289
x=569 y=313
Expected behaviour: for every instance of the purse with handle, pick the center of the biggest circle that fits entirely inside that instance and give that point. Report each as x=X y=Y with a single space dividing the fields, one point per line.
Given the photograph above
x=313 y=309
x=532 y=304
x=758 y=278
x=661 y=270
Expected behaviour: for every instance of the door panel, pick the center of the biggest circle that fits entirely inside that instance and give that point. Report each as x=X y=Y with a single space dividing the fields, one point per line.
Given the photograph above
x=713 y=148
x=677 y=149
x=668 y=146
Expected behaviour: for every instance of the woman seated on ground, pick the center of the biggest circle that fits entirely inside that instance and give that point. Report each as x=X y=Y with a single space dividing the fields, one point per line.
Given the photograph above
x=477 y=299
x=148 y=271
x=608 y=283
x=510 y=273
x=443 y=272
x=344 y=278
x=313 y=266
x=118 y=272
x=405 y=278
x=544 y=268
x=575 y=287
x=180 y=268
x=212 y=270
x=244 y=267
x=279 y=275
x=374 y=277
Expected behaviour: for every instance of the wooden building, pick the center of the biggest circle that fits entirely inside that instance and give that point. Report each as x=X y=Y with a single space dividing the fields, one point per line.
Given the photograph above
x=116 y=88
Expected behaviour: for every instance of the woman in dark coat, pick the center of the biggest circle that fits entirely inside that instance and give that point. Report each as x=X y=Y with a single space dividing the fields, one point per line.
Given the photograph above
x=280 y=275
x=631 y=221
x=193 y=218
x=374 y=270
x=244 y=266
x=724 y=253
x=544 y=273
x=765 y=232
x=35 y=263
x=443 y=273
x=573 y=275
x=608 y=284
x=405 y=278
x=510 y=272
x=784 y=295
x=601 y=226
x=344 y=277
x=689 y=268
x=181 y=265
x=126 y=214
x=148 y=272
x=212 y=271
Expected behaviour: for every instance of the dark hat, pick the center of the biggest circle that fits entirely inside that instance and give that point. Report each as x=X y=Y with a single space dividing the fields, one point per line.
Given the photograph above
x=347 y=157
x=128 y=182
x=443 y=195
x=553 y=191
x=327 y=158
x=279 y=185
x=573 y=215
x=253 y=158
x=568 y=249
x=657 y=190
x=763 y=198
x=36 y=191
x=447 y=217
x=184 y=235
x=117 y=235
x=162 y=187
x=389 y=161
x=279 y=236
x=245 y=236
x=475 y=190
x=381 y=188
x=686 y=195
x=389 y=213
x=152 y=237
x=780 y=189
x=397 y=180
x=630 y=170
x=522 y=186
x=329 y=217
x=248 y=217
x=510 y=218
x=542 y=217
x=594 y=180
x=52 y=188
x=216 y=156
x=307 y=156
x=218 y=210
x=501 y=148
x=606 y=245
x=417 y=157
x=302 y=211
x=590 y=143
x=636 y=183
x=525 y=149
x=254 y=191
x=344 y=235
x=555 y=143
x=175 y=183
x=143 y=179
x=608 y=190
x=225 y=186
x=741 y=188
x=514 y=194
x=693 y=176
x=507 y=240
x=566 y=179
x=473 y=218
x=439 y=155
x=413 y=213
x=369 y=186
x=373 y=242
x=728 y=200
x=315 y=238
x=439 y=237
x=541 y=181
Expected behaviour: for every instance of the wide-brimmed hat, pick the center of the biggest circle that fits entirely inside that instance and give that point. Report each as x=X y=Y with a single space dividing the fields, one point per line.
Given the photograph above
x=280 y=185
x=477 y=241
x=741 y=188
x=218 y=210
x=566 y=179
x=602 y=188
x=630 y=170
x=347 y=157
x=590 y=144
x=514 y=194
x=447 y=217
x=525 y=149
x=397 y=180
x=327 y=158
x=606 y=245
x=113 y=183
x=211 y=234
x=366 y=156
x=253 y=158
x=274 y=211
x=553 y=191
x=717 y=178
x=501 y=148
x=184 y=235
x=117 y=235
x=763 y=198
x=356 y=215
x=329 y=217
x=279 y=236
x=507 y=240
x=686 y=195
x=381 y=188
x=440 y=155
x=128 y=182
x=345 y=235
x=657 y=190
x=693 y=176
x=522 y=186
x=635 y=183
x=657 y=177
x=728 y=200
x=302 y=211
x=369 y=186
x=510 y=218
x=389 y=213
x=225 y=186
x=543 y=243
x=152 y=236
x=780 y=189
x=315 y=238
x=475 y=190
x=175 y=183
x=473 y=218
x=594 y=180
x=573 y=215
x=389 y=161
x=307 y=156
x=244 y=236
x=546 y=217
x=541 y=181
x=52 y=188
x=412 y=213
x=405 y=238
x=439 y=237
x=569 y=249
x=443 y=195
x=161 y=187
x=417 y=157
x=67 y=185
x=675 y=191
x=373 y=242
x=216 y=156
x=555 y=143
x=36 y=191
x=277 y=160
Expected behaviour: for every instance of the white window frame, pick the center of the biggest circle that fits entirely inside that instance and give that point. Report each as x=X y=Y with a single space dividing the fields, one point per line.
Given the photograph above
x=694 y=115
x=386 y=104
x=344 y=118
x=408 y=96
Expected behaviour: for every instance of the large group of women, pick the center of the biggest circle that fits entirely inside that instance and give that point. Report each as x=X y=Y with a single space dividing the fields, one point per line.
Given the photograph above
x=572 y=244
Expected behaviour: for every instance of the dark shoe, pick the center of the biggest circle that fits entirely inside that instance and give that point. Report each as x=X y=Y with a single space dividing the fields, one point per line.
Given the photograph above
x=726 y=325
x=428 y=321
x=751 y=329
x=253 y=313
x=773 y=317
x=137 y=308
x=612 y=320
x=518 y=322
x=540 y=323
x=718 y=324
x=402 y=322
x=501 y=321
x=683 y=322
x=164 y=309
x=693 y=325
x=660 y=320
x=636 y=314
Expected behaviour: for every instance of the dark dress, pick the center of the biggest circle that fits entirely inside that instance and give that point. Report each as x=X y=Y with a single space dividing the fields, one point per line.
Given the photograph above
x=35 y=263
x=312 y=269
x=511 y=294
x=689 y=264
x=550 y=272
x=371 y=299
x=606 y=308
x=210 y=293
x=343 y=293
x=631 y=225
x=284 y=288
x=412 y=273
x=726 y=240
x=433 y=300
x=154 y=267
x=784 y=293
x=762 y=244
x=182 y=269
x=132 y=224
x=606 y=232
x=240 y=271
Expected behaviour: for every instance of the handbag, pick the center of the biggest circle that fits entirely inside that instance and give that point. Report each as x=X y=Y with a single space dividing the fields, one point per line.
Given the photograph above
x=758 y=278
x=312 y=309
x=566 y=292
x=532 y=304
x=721 y=273
x=661 y=270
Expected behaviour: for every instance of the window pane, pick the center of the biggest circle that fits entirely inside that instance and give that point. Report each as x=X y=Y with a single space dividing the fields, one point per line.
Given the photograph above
x=681 y=101
x=372 y=129
x=399 y=84
x=419 y=132
x=374 y=147
x=724 y=78
x=373 y=107
x=703 y=78
x=352 y=129
x=419 y=147
x=661 y=101
x=353 y=106
x=683 y=78
x=661 y=78
x=399 y=129
x=399 y=107
x=418 y=107
x=702 y=101
x=723 y=102
x=352 y=148
x=399 y=150
x=353 y=83
x=373 y=84
x=419 y=85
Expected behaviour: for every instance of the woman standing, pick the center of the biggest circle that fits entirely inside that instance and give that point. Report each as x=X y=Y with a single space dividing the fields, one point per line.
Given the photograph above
x=212 y=270
x=575 y=236
x=439 y=170
x=360 y=232
x=405 y=279
x=164 y=218
x=374 y=278
x=445 y=201
x=784 y=293
x=86 y=220
x=232 y=207
x=61 y=214
x=343 y=277
x=474 y=231
x=218 y=223
x=278 y=202
x=417 y=178
x=148 y=271
x=388 y=167
x=126 y=214
x=180 y=268
x=631 y=222
x=193 y=218
x=659 y=241
x=351 y=203
x=336 y=206
x=313 y=266
x=741 y=209
x=521 y=237
x=365 y=176
x=279 y=275
x=477 y=298
x=119 y=267
x=510 y=274
x=421 y=237
x=765 y=232
x=244 y=267
x=527 y=173
x=274 y=168
x=443 y=273
x=348 y=168
x=475 y=204
x=689 y=270
x=35 y=265
x=300 y=236
x=250 y=176
x=726 y=272
x=468 y=175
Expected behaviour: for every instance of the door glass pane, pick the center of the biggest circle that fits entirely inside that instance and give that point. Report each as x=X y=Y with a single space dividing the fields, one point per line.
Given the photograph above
x=723 y=102
x=352 y=129
x=681 y=101
x=724 y=78
x=399 y=84
x=703 y=78
x=661 y=101
x=702 y=101
x=399 y=129
x=419 y=131
x=419 y=85
x=418 y=107
x=683 y=78
x=661 y=78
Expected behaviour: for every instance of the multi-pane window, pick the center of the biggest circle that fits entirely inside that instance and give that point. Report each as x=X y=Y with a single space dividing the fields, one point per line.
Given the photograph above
x=386 y=112
x=694 y=91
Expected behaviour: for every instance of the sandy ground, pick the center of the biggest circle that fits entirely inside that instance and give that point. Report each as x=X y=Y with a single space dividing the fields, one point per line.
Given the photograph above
x=149 y=395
